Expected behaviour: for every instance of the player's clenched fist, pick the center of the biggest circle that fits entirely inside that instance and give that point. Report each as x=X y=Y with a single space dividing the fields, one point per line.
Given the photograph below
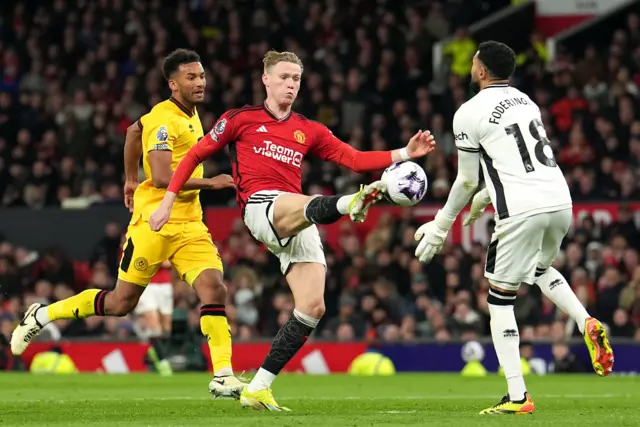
x=421 y=144
x=221 y=181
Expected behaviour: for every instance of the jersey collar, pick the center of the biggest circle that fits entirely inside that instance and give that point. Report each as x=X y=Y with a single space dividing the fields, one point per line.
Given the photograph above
x=273 y=116
x=496 y=85
x=182 y=107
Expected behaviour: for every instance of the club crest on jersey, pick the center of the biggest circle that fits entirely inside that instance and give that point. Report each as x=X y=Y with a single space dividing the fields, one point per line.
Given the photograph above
x=212 y=134
x=141 y=264
x=299 y=136
x=163 y=134
x=219 y=128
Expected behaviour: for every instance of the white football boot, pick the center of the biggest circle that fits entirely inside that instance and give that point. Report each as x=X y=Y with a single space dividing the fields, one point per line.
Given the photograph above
x=226 y=387
x=26 y=331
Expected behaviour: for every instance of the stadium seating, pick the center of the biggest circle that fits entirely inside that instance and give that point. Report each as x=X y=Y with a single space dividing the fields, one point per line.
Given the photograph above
x=73 y=78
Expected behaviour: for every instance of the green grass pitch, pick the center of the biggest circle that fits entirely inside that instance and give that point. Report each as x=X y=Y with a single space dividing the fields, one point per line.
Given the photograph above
x=337 y=400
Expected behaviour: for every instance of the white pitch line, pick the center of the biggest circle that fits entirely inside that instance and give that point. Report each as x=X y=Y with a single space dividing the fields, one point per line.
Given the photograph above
x=452 y=397
x=321 y=398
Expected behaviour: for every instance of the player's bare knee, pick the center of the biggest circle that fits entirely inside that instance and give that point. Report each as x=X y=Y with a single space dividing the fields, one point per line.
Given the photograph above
x=313 y=307
x=210 y=287
x=312 y=304
x=306 y=280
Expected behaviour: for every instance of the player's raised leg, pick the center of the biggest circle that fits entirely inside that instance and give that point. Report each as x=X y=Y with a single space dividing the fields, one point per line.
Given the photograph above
x=142 y=255
x=295 y=212
x=555 y=287
x=199 y=263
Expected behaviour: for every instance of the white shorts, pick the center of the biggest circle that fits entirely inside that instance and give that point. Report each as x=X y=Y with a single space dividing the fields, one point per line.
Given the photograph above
x=156 y=297
x=522 y=248
x=306 y=246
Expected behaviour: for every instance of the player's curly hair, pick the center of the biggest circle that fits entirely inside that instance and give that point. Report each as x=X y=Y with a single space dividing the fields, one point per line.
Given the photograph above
x=272 y=57
x=498 y=58
x=176 y=58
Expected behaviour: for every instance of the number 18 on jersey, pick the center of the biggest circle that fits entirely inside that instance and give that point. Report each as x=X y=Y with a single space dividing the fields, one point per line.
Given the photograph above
x=504 y=125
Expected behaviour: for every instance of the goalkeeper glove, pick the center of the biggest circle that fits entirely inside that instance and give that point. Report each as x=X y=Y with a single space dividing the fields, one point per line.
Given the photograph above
x=432 y=237
x=480 y=201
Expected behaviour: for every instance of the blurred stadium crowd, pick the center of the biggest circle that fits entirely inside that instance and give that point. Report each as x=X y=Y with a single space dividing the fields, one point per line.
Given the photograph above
x=74 y=75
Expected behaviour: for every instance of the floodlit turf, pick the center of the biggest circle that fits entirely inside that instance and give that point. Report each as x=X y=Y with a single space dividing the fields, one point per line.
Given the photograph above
x=409 y=399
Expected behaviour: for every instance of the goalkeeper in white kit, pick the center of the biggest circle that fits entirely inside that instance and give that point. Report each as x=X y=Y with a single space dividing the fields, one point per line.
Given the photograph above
x=501 y=129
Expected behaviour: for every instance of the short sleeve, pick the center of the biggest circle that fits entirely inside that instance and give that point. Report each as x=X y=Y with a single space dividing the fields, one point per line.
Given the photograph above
x=161 y=132
x=464 y=130
x=141 y=121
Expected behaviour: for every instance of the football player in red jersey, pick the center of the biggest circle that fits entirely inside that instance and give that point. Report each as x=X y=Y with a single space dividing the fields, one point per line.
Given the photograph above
x=267 y=144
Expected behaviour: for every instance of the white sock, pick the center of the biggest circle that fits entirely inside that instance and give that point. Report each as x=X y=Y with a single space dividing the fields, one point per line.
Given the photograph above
x=506 y=341
x=262 y=380
x=344 y=202
x=224 y=372
x=555 y=287
x=42 y=316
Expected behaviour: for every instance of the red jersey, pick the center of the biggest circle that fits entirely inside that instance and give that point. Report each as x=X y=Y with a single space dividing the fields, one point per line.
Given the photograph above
x=267 y=153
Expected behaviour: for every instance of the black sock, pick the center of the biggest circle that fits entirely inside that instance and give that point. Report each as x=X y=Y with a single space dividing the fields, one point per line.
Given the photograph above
x=289 y=339
x=158 y=345
x=322 y=210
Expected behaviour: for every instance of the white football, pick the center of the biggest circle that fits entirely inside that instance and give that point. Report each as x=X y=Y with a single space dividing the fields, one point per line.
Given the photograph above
x=472 y=351
x=406 y=183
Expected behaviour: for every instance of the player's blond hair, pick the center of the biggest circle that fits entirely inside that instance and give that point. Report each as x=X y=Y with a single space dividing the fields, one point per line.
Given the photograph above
x=272 y=57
